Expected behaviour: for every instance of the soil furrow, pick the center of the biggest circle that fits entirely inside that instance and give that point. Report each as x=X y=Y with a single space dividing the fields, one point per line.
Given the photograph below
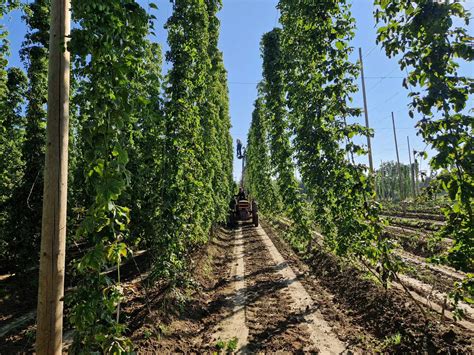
x=321 y=333
x=386 y=314
x=273 y=324
x=254 y=294
x=233 y=326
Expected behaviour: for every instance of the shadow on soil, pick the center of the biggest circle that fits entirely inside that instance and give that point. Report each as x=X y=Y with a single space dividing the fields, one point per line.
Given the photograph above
x=384 y=313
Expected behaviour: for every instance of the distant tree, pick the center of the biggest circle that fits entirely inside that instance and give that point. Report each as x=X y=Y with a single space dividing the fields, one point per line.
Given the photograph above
x=25 y=206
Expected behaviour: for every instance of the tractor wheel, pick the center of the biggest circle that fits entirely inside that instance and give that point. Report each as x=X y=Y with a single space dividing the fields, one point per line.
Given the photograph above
x=255 y=218
x=231 y=223
x=255 y=213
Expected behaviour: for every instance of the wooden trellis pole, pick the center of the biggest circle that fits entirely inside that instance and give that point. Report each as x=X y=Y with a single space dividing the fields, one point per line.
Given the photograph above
x=412 y=169
x=53 y=231
x=366 y=112
x=398 y=158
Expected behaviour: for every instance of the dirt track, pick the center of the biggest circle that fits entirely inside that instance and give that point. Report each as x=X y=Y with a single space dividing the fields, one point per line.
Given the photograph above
x=260 y=297
x=280 y=314
x=256 y=295
x=257 y=298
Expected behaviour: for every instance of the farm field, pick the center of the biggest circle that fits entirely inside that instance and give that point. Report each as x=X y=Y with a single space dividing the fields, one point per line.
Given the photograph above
x=256 y=294
x=249 y=177
x=414 y=230
x=243 y=298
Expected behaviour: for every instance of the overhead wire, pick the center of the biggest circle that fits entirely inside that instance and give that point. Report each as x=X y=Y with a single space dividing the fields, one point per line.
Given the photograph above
x=370 y=51
x=381 y=79
x=367 y=77
x=387 y=100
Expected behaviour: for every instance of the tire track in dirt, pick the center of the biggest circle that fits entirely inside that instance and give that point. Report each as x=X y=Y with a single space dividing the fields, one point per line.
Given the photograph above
x=234 y=325
x=280 y=313
x=321 y=333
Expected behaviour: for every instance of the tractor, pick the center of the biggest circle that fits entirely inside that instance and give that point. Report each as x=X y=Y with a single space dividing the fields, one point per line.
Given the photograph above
x=243 y=209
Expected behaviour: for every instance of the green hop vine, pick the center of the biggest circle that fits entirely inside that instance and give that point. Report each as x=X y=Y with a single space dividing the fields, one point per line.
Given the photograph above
x=259 y=171
x=196 y=131
x=273 y=92
x=108 y=48
x=430 y=46
x=25 y=206
x=320 y=81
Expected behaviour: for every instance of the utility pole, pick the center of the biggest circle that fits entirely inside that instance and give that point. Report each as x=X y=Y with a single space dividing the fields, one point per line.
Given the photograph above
x=398 y=156
x=412 y=171
x=366 y=112
x=53 y=230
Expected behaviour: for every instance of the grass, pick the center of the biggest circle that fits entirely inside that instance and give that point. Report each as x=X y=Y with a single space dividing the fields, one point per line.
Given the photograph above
x=230 y=345
x=391 y=341
x=220 y=344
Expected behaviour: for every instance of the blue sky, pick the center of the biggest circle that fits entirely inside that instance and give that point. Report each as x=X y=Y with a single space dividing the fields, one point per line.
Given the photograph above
x=243 y=22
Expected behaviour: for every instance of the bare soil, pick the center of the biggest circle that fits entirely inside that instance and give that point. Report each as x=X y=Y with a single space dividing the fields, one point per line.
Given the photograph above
x=383 y=313
x=252 y=293
x=279 y=315
x=415 y=215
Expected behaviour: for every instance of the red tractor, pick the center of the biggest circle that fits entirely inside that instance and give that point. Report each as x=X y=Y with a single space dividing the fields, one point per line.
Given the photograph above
x=243 y=209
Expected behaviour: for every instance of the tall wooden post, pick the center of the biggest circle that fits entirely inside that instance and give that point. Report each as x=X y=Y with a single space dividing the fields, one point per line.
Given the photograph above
x=398 y=156
x=53 y=232
x=382 y=180
x=366 y=112
x=412 y=169
x=415 y=171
